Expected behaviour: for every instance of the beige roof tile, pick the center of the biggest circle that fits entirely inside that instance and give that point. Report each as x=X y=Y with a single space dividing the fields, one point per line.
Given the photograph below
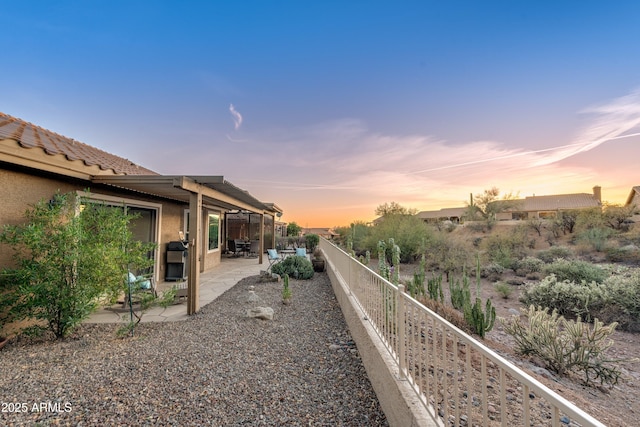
x=29 y=136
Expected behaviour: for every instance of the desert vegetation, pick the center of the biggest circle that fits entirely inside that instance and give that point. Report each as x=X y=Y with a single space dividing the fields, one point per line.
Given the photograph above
x=575 y=276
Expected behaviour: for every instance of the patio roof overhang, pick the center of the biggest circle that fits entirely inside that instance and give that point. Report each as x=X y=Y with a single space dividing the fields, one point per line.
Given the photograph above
x=215 y=190
x=196 y=192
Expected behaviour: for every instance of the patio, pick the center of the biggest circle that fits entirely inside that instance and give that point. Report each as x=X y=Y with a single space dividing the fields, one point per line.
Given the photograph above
x=212 y=284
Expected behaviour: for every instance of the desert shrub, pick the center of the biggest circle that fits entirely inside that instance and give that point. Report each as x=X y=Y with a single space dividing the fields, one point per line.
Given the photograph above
x=295 y=266
x=555 y=252
x=575 y=271
x=408 y=231
x=447 y=312
x=506 y=249
x=503 y=289
x=66 y=261
x=492 y=271
x=311 y=241
x=622 y=296
x=565 y=346
x=627 y=254
x=597 y=237
x=567 y=297
x=528 y=265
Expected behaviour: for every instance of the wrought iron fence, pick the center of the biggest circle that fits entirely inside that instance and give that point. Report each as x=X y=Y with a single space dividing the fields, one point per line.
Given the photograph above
x=458 y=379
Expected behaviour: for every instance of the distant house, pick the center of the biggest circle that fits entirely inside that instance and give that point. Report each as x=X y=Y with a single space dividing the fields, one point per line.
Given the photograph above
x=35 y=163
x=529 y=207
x=551 y=206
x=327 y=233
x=634 y=200
x=446 y=214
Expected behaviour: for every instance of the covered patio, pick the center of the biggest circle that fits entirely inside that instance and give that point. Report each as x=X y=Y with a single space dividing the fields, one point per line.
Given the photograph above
x=211 y=203
x=212 y=284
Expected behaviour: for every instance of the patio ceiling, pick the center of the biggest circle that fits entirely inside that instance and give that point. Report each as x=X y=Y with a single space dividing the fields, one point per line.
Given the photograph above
x=216 y=191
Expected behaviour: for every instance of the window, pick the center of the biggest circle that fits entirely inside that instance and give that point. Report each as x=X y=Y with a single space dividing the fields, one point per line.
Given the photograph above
x=214 y=231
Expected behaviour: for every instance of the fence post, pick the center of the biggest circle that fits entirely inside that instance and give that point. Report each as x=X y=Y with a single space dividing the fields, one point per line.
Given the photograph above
x=401 y=330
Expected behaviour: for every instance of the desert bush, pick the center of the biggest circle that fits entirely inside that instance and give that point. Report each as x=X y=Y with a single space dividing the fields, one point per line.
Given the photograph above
x=506 y=249
x=575 y=271
x=408 y=231
x=503 y=289
x=311 y=241
x=555 y=252
x=295 y=266
x=565 y=346
x=66 y=261
x=446 y=254
x=597 y=238
x=622 y=297
x=627 y=255
x=528 y=265
x=492 y=271
x=567 y=297
x=447 y=312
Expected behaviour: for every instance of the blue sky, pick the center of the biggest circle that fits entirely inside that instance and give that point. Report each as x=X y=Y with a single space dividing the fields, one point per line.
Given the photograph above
x=332 y=108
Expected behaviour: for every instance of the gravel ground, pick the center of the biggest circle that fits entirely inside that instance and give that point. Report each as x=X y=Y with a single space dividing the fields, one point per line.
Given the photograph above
x=218 y=368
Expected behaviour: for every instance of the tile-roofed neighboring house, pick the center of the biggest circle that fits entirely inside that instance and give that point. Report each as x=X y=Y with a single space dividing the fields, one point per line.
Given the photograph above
x=327 y=233
x=32 y=137
x=560 y=202
x=634 y=196
x=451 y=214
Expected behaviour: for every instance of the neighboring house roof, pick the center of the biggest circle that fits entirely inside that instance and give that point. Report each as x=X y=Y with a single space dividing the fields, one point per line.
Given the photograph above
x=560 y=202
x=635 y=192
x=319 y=231
x=442 y=213
x=30 y=136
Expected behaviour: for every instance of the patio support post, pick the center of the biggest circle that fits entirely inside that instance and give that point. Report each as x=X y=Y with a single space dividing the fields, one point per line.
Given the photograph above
x=195 y=233
x=261 y=245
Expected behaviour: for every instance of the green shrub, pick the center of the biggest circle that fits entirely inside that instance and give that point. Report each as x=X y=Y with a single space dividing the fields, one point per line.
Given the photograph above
x=504 y=289
x=565 y=346
x=295 y=266
x=529 y=265
x=575 y=271
x=311 y=241
x=506 y=249
x=555 y=252
x=622 y=296
x=597 y=238
x=66 y=261
x=567 y=297
x=492 y=271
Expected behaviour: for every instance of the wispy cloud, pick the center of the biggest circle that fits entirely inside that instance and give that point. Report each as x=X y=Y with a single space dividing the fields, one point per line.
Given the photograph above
x=344 y=158
x=236 y=116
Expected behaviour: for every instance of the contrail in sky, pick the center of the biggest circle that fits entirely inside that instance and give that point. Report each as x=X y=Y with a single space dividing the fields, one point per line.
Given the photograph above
x=237 y=117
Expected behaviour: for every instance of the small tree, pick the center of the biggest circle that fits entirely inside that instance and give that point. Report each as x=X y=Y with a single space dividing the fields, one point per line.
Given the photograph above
x=293 y=229
x=68 y=256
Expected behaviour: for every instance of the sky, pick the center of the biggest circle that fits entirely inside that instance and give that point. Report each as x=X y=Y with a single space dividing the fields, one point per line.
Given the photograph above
x=332 y=108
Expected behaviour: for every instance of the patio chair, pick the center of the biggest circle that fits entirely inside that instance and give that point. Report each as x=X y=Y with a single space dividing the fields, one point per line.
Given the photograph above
x=232 y=247
x=274 y=257
x=301 y=252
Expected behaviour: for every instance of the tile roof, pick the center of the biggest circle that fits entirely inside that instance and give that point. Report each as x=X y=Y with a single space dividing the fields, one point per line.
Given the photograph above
x=560 y=201
x=29 y=135
x=442 y=213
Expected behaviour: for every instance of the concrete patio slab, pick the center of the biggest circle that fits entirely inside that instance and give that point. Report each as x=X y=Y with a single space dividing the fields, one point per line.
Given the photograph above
x=212 y=284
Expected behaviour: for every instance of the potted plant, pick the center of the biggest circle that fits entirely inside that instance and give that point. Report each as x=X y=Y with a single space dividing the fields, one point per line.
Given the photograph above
x=317 y=261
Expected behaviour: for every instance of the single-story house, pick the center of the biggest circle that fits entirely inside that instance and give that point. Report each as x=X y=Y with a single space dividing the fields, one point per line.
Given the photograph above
x=199 y=211
x=445 y=214
x=551 y=206
x=327 y=233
